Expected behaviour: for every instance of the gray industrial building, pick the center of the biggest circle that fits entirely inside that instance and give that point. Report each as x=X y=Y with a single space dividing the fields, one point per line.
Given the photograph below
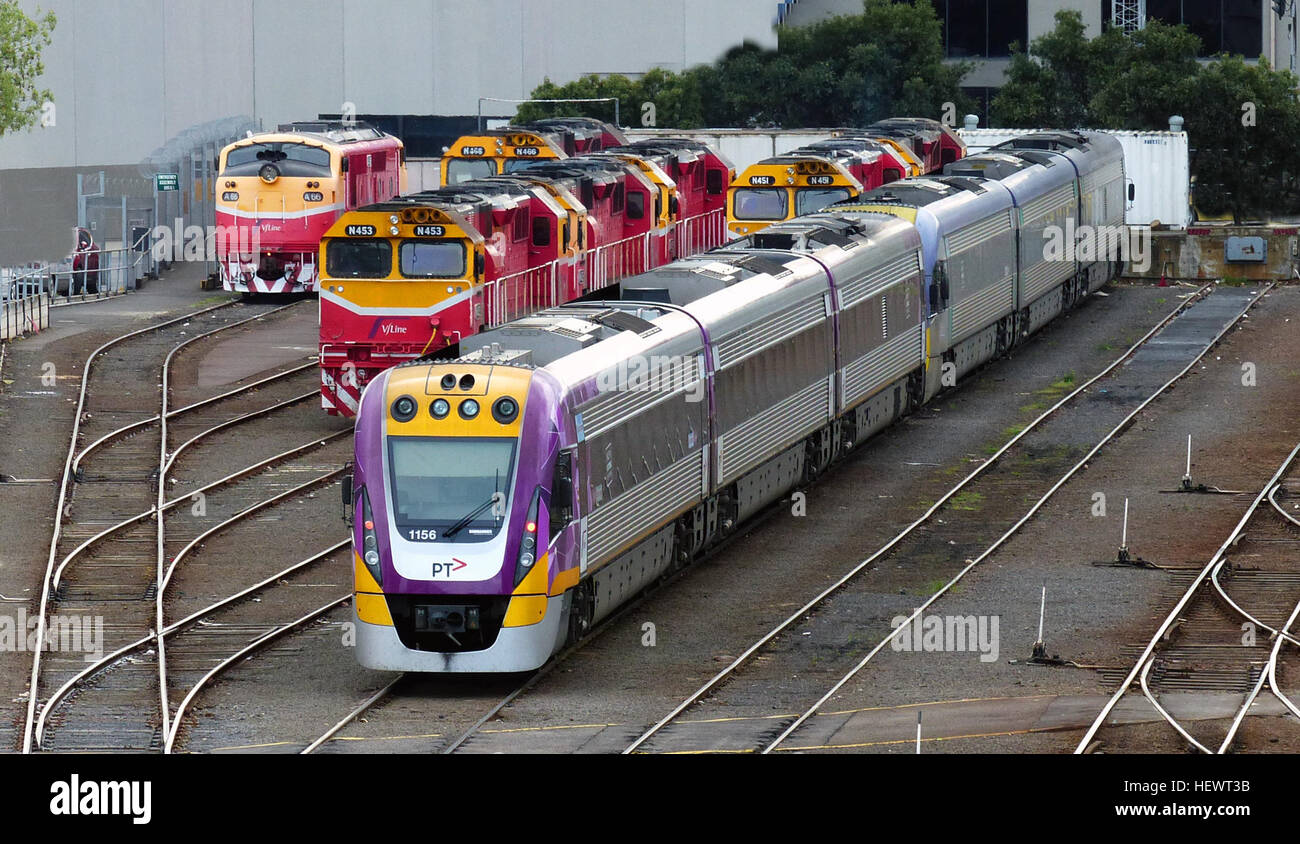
x=128 y=76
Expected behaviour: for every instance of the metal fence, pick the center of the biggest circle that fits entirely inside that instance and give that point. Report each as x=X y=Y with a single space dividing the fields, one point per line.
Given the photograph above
x=118 y=271
x=24 y=316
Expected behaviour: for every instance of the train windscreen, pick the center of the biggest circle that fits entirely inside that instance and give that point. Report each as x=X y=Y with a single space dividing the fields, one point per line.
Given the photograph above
x=467 y=169
x=810 y=200
x=450 y=488
x=432 y=259
x=359 y=259
x=761 y=204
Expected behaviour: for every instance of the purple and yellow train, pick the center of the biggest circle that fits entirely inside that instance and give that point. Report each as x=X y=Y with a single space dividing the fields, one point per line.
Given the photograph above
x=506 y=501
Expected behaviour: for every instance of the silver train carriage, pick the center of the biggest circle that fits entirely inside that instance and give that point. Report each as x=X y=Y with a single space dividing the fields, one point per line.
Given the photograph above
x=627 y=436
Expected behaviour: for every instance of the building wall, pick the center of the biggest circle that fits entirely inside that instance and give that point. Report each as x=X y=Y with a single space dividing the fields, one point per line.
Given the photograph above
x=127 y=75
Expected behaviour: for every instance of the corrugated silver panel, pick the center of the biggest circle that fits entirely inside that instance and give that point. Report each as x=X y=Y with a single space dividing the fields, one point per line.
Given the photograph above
x=612 y=407
x=775 y=429
x=1047 y=204
x=977 y=233
x=972 y=314
x=878 y=278
x=1042 y=277
x=775 y=329
x=882 y=365
x=615 y=524
x=1104 y=176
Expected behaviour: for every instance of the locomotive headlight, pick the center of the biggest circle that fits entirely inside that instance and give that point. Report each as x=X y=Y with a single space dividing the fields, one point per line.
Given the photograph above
x=528 y=542
x=370 y=556
x=440 y=408
x=392 y=218
x=505 y=409
x=404 y=408
x=394 y=231
x=468 y=409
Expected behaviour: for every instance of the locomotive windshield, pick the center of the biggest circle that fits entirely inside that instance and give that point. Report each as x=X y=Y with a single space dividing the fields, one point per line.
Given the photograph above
x=810 y=200
x=358 y=258
x=761 y=204
x=432 y=259
x=450 y=489
x=292 y=159
x=467 y=169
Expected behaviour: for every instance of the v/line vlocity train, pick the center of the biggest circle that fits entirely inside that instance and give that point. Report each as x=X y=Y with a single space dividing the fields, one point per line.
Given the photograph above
x=278 y=192
x=506 y=501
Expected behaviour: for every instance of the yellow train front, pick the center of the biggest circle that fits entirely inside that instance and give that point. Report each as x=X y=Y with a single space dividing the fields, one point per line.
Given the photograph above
x=279 y=192
x=450 y=501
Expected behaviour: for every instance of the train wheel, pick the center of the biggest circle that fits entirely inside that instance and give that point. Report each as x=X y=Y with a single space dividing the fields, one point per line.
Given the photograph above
x=582 y=609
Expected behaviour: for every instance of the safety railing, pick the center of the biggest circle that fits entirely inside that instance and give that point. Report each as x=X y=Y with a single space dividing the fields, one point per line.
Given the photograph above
x=701 y=233
x=620 y=259
x=520 y=294
x=115 y=271
x=24 y=315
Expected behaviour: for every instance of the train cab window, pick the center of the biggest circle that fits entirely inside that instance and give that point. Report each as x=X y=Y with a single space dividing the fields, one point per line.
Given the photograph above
x=635 y=205
x=291 y=159
x=432 y=258
x=467 y=169
x=892 y=175
x=514 y=165
x=761 y=204
x=713 y=182
x=541 y=231
x=808 y=200
x=358 y=259
x=620 y=193
x=520 y=226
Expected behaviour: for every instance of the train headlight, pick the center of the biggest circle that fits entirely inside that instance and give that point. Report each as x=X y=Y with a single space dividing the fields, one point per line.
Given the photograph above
x=394 y=231
x=369 y=542
x=269 y=173
x=392 y=218
x=440 y=408
x=404 y=409
x=505 y=410
x=528 y=541
x=448 y=381
x=468 y=409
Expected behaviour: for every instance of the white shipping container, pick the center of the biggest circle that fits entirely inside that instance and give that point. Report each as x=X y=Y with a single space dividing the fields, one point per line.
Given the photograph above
x=1156 y=164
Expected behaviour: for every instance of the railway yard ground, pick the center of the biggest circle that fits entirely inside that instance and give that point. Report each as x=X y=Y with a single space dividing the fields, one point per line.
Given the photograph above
x=1237 y=403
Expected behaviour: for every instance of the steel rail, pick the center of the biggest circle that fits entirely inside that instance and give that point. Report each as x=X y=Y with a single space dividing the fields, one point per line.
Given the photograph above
x=1182 y=603
x=175 y=626
x=814 y=602
x=247 y=649
x=144 y=423
x=175 y=502
x=1087 y=458
x=34 y=683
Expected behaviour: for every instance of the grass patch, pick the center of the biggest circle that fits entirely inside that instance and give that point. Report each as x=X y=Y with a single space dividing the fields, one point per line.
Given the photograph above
x=215 y=300
x=966 y=501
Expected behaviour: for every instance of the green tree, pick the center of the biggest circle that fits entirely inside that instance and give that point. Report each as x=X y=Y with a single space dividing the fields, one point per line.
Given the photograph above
x=21 y=42
x=847 y=71
x=1053 y=83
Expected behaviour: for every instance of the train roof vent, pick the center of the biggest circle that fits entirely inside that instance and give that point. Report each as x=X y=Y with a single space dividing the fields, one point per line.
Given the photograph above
x=496 y=355
x=763 y=264
x=577 y=329
x=624 y=321
x=967 y=183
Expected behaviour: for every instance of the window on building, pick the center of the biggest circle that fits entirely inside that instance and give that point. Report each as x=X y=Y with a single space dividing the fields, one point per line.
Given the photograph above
x=1224 y=26
x=982 y=28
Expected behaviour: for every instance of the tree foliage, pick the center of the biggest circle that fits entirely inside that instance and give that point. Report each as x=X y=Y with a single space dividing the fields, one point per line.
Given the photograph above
x=847 y=71
x=21 y=42
x=1241 y=118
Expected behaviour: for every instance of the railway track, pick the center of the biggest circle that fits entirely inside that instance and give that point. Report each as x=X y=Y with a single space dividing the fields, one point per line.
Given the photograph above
x=798 y=646
x=1228 y=631
x=403 y=687
x=109 y=549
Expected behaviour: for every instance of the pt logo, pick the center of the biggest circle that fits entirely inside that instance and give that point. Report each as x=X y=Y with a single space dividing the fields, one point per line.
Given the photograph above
x=441 y=569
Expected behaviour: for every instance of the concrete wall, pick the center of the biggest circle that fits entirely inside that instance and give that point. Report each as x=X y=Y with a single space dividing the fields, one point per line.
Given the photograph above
x=129 y=74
